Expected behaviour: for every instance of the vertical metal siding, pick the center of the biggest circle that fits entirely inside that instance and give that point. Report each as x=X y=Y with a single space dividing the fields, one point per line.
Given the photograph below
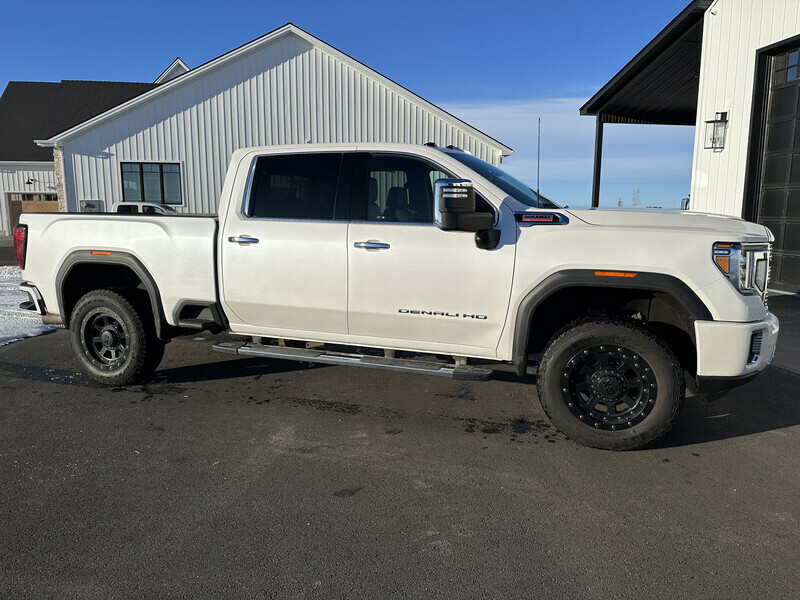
x=731 y=38
x=288 y=92
x=12 y=181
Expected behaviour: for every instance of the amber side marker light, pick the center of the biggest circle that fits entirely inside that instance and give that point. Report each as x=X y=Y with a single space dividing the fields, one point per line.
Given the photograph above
x=101 y=253
x=722 y=256
x=614 y=274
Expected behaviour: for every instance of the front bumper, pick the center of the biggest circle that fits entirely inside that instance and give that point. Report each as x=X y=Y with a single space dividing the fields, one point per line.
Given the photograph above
x=731 y=354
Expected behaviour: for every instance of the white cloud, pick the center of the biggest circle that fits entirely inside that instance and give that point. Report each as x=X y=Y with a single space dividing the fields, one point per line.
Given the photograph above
x=657 y=159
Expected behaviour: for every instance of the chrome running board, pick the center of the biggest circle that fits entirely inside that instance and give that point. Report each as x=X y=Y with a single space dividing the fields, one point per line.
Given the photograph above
x=454 y=371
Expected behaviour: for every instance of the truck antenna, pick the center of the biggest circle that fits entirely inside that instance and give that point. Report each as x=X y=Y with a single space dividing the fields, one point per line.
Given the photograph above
x=538 y=157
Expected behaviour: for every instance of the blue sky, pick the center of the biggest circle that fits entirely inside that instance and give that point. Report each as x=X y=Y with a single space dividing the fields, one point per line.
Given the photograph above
x=497 y=65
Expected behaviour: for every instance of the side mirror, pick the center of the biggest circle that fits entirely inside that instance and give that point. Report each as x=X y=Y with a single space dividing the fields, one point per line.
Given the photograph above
x=455 y=207
x=487 y=239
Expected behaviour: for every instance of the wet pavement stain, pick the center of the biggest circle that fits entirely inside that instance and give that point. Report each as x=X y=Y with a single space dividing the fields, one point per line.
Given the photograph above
x=348 y=492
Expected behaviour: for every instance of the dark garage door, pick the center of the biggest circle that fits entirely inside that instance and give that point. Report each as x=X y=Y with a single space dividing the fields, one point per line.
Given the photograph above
x=779 y=206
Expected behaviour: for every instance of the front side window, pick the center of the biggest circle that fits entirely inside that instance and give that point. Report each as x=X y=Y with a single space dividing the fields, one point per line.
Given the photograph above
x=401 y=188
x=151 y=182
x=295 y=186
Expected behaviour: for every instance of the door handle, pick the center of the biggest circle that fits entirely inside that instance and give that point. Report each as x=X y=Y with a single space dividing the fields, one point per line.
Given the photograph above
x=371 y=245
x=243 y=239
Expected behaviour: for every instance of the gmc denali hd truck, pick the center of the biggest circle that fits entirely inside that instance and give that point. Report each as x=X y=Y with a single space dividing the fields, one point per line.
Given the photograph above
x=393 y=255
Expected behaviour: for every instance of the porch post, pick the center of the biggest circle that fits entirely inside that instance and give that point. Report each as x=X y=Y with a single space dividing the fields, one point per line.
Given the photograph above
x=598 y=156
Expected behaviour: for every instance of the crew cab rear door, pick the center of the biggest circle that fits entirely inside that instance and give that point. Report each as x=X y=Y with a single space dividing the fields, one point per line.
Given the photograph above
x=283 y=265
x=410 y=281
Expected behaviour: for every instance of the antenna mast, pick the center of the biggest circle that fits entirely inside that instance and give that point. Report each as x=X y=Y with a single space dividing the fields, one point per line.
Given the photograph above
x=538 y=157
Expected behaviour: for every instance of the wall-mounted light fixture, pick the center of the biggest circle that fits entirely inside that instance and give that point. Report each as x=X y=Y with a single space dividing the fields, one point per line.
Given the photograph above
x=715 y=131
x=30 y=181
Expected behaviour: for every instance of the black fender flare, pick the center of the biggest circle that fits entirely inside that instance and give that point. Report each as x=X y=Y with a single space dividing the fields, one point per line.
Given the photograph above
x=125 y=259
x=657 y=282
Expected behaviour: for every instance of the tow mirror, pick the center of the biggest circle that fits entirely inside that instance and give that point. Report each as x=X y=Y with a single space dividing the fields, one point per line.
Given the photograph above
x=455 y=207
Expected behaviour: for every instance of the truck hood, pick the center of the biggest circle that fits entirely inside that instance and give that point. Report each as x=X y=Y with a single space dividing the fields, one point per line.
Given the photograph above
x=673 y=219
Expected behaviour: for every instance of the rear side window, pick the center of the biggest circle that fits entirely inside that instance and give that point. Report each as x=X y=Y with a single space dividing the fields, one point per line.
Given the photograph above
x=130 y=208
x=295 y=186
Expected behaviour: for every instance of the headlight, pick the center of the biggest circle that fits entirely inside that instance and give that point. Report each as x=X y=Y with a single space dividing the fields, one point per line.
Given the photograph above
x=745 y=265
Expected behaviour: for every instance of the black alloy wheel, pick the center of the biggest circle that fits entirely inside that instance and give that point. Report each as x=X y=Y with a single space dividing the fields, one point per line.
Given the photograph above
x=105 y=338
x=610 y=382
x=609 y=387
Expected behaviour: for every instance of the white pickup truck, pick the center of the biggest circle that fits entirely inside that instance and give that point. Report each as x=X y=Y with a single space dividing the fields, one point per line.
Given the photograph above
x=394 y=255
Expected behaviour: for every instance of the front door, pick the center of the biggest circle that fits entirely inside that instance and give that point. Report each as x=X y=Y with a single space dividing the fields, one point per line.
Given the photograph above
x=410 y=283
x=283 y=252
x=779 y=197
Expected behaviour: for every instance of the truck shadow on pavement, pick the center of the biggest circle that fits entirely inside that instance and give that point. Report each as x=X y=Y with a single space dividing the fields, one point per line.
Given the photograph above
x=228 y=369
x=766 y=404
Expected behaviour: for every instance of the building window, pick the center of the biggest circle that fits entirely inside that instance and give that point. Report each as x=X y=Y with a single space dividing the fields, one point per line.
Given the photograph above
x=32 y=197
x=786 y=67
x=151 y=182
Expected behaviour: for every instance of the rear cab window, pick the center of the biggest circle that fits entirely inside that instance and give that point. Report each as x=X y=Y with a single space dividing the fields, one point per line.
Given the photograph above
x=295 y=186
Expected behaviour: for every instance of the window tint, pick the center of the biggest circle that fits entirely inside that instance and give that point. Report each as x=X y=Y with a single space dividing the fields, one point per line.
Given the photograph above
x=152 y=210
x=295 y=186
x=401 y=189
x=127 y=209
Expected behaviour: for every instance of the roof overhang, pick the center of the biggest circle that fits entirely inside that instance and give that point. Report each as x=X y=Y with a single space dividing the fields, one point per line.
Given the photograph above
x=660 y=84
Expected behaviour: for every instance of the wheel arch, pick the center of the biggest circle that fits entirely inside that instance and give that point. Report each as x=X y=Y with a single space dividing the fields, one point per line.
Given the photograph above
x=666 y=289
x=121 y=268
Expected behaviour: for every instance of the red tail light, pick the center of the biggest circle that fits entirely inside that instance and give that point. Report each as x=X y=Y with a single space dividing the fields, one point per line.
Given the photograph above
x=20 y=244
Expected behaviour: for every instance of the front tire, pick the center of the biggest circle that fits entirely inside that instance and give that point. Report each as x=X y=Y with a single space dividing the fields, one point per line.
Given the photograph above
x=610 y=383
x=111 y=340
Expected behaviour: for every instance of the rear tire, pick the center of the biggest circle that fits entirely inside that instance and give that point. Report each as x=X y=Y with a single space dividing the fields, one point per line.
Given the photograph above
x=111 y=340
x=610 y=383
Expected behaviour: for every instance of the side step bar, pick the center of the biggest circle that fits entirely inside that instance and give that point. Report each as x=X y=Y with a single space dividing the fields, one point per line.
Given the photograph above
x=455 y=371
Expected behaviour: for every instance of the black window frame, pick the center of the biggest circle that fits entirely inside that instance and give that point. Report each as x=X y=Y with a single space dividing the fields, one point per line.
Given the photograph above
x=160 y=181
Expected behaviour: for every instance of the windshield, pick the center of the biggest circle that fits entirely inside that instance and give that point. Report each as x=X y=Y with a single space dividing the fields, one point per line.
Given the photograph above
x=511 y=186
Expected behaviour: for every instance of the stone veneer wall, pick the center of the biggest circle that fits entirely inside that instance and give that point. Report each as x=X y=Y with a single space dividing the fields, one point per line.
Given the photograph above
x=61 y=192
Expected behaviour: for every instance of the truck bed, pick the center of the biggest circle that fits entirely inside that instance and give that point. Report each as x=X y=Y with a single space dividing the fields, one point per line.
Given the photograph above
x=178 y=251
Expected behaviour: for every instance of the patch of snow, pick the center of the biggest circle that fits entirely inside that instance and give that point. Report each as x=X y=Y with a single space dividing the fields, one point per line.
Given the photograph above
x=16 y=323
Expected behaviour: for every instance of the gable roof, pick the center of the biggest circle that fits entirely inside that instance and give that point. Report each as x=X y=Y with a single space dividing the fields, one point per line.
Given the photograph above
x=288 y=29
x=176 y=67
x=33 y=110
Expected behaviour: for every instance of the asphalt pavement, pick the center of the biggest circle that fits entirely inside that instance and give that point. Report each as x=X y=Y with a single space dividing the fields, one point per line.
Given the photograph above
x=249 y=478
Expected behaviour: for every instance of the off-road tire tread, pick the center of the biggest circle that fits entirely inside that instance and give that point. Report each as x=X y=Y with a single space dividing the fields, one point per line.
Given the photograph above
x=139 y=362
x=596 y=321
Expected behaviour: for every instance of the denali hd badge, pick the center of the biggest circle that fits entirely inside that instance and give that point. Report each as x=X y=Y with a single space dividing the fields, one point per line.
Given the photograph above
x=439 y=313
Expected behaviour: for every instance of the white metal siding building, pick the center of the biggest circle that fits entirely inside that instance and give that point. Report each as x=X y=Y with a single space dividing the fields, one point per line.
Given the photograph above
x=286 y=87
x=730 y=68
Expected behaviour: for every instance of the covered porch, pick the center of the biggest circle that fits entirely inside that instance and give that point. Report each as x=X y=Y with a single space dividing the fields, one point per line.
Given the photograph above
x=659 y=86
